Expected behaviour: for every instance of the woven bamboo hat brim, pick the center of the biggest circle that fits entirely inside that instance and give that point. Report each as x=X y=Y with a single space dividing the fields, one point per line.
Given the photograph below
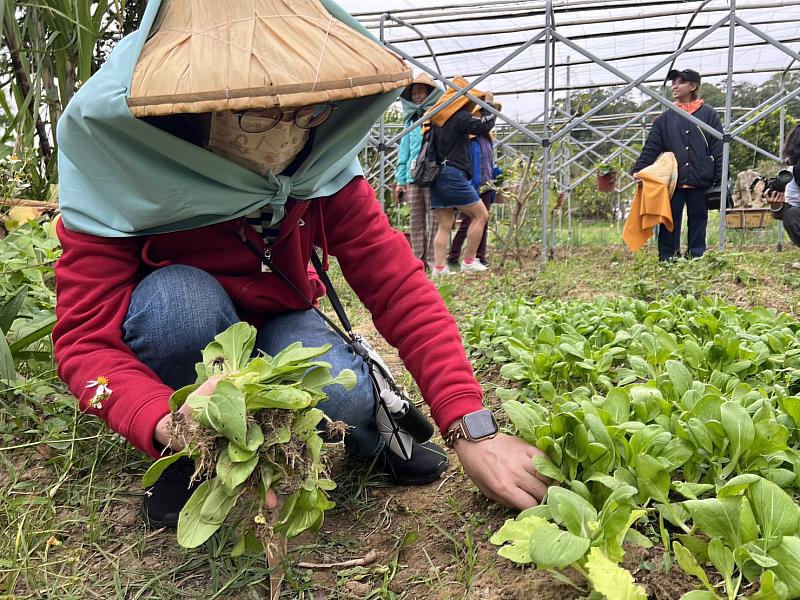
x=215 y=55
x=422 y=78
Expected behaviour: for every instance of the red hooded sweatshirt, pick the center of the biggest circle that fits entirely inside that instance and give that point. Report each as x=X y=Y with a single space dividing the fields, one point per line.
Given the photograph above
x=96 y=276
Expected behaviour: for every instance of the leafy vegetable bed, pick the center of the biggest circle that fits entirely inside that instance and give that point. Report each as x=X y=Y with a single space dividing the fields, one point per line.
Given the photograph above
x=676 y=418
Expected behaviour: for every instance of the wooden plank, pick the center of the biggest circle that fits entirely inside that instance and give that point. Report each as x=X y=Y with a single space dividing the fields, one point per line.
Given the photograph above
x=747 y=218
x=29 y=203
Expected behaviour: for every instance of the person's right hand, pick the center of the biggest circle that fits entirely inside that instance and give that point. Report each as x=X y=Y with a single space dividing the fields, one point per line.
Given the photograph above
x=398 y=192
x=163 y=436
x=163 y=429
x=637 y=178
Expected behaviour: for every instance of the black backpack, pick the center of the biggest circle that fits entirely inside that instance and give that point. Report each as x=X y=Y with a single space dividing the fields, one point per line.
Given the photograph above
x=425 y=168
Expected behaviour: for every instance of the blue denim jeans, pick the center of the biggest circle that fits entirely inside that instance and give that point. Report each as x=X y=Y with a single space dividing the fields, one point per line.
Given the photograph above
x=176 y=311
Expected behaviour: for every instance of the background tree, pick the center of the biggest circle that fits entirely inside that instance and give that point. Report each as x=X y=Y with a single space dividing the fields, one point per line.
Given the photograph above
x=49 y=48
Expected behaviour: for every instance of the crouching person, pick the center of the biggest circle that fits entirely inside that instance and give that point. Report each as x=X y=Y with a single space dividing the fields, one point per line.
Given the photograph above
x=205 y=135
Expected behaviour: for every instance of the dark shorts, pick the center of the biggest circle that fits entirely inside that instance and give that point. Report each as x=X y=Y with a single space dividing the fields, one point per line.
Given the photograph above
x=452 y=188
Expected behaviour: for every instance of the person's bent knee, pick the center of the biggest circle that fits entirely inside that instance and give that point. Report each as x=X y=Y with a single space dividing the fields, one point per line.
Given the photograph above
x=181 y=306
x=791 y=222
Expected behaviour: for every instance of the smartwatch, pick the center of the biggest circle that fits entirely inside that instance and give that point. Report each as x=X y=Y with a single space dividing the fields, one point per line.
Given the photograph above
x=473 y=427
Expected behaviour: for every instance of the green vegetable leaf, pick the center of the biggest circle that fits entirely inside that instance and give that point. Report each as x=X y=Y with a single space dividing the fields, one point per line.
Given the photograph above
x=523 y=418
x=180 y=396
x=721 y=557
x=548 y=469
x=611 y=580
x=739 y=428
x=652 y=478
x=700 y=595
x=237 y=343
x=192 y=529
x=690 y=566
x=787 y=554
x=518 y=532
x=296 y=353
x=233 y=474
x=569 y=508
x=157 y=468
x=680 y=376
x=553 y=548
x=218 y=503
x=225 y=413
x=719 y=517
x=775 y=511
x=285 y=398
x=771 y=588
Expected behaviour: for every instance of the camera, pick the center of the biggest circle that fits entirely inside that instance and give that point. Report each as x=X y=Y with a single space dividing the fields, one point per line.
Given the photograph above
x=774 y=184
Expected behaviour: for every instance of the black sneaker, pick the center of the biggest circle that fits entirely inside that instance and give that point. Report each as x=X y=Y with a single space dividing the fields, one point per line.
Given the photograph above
x=163 y=502
x=427 y=462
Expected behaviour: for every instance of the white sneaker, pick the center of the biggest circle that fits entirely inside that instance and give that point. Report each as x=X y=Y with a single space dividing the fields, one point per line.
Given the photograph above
x=440 y=272
x=475 y=266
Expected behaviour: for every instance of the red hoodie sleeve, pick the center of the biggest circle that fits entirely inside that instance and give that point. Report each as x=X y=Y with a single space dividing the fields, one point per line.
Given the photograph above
x=95 y=278
x=406 y=307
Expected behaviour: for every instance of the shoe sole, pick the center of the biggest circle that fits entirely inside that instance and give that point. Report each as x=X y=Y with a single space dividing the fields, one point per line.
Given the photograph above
x=435 y=474
x=168 y=521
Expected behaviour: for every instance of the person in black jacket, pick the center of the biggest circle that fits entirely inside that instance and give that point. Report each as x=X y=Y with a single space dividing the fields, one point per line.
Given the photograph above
x=452 y=189
x=699 y=157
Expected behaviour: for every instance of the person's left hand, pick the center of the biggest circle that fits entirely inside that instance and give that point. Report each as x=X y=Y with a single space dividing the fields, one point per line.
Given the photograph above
x=775 y=197
x=503 y=470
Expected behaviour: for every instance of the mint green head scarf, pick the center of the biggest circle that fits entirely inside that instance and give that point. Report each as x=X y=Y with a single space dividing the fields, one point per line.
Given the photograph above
x=410 y=109
x=121 y=176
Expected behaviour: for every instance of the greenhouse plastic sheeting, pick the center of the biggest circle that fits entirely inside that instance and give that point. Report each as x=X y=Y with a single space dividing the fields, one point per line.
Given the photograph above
x=469 y=38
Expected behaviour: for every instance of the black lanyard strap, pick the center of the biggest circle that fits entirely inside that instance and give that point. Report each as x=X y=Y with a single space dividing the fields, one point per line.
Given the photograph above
x=347 y=335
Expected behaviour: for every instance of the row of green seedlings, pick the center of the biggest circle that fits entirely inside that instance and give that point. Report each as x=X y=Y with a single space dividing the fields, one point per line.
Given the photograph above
x=258 y=431
x=682 y=415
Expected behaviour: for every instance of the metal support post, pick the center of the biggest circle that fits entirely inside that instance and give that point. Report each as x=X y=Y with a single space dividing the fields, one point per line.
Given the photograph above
x=782 y=138
x=546 y=138
x=726 y=140
x=565 y=166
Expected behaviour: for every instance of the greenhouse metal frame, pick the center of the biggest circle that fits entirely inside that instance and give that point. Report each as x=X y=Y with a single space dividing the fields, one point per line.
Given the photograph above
x=539 y=130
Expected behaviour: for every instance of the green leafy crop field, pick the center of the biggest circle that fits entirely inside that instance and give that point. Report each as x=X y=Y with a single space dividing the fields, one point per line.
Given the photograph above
x=667 y=398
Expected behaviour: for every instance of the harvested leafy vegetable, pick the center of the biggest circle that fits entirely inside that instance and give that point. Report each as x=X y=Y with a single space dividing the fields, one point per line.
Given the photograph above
x=258 y=431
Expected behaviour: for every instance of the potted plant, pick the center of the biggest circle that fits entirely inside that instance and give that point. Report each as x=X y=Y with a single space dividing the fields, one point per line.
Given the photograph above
x=606 y=177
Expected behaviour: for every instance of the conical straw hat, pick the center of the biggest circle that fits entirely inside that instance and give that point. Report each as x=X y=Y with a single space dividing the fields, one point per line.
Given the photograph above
x=422 y=78
x=214 y=55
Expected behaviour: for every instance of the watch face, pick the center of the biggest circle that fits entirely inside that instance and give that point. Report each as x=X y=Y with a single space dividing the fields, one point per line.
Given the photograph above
x=480 y=424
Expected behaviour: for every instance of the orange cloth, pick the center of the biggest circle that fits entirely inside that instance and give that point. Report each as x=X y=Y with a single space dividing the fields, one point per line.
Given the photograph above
x=690 y=107
x=651 y=203
x=441 y=118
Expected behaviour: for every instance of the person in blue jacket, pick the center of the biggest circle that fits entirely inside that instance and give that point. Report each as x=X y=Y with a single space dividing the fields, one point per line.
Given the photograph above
x=699 y=157
x=416 y=99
